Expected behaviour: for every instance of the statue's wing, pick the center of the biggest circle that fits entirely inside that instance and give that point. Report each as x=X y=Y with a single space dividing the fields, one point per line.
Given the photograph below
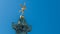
x=21 y=5
x=14 y=25
x=29 y=28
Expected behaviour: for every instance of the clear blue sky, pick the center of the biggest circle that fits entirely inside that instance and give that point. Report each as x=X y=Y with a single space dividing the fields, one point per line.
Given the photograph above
x=44 y=16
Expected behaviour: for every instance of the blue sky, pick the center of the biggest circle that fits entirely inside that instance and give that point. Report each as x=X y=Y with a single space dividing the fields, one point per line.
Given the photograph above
x=43 y=15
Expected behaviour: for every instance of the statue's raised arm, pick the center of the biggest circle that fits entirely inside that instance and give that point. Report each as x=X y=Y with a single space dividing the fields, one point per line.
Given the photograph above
x=23 y=7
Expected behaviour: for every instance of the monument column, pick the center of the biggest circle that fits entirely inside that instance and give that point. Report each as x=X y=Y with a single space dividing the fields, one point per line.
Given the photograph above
x=21 y=27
